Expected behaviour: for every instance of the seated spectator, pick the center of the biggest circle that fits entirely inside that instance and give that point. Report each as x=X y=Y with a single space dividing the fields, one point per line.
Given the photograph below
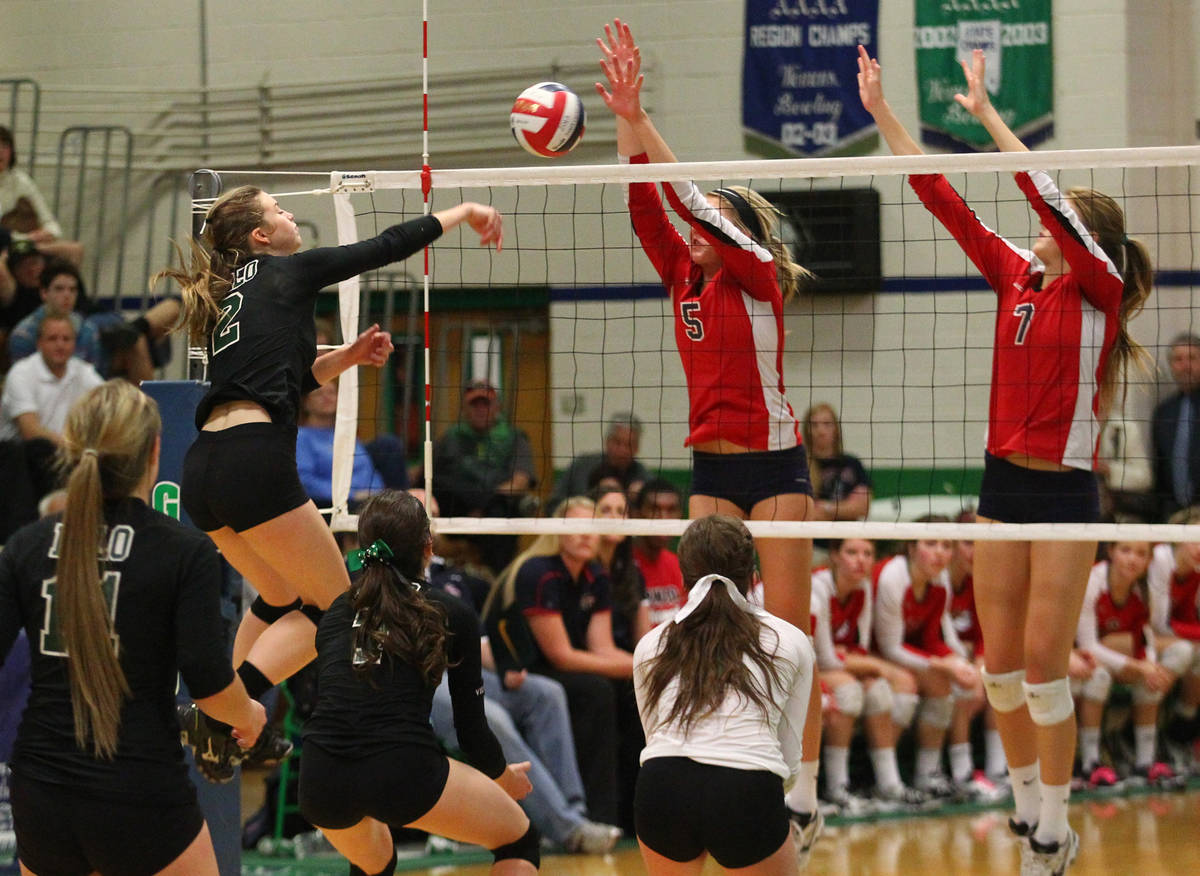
x=1114 y=626
x=26 y=214
x=1175 y=430
x=38 y=393
x=841 y=486
x=858 y=682
x=631 y=610
x=1174 y=583
x=566 y=599
x=59 y=289
x=619 y=460
x=483 y=467
x=912 y=629
x=314 y=451
x=659 y=500
x=113 y=346
x=21 y=267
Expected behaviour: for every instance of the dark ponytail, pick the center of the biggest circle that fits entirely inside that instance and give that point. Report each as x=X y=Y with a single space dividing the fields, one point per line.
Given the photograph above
x=390 y=614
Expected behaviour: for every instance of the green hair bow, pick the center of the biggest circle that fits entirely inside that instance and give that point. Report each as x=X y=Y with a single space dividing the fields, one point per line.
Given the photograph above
x=378 y=552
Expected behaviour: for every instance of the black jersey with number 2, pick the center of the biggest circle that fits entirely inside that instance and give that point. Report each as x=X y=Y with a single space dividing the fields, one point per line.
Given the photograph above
x=264 y=343
x=161 y=581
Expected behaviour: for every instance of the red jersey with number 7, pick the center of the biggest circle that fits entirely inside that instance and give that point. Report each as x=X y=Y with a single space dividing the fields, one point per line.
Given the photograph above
x=729 y=329
x=1052 y=342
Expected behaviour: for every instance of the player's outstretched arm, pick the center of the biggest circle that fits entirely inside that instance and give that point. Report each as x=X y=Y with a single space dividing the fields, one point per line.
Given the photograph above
x=482 y=219
x=870 y=91
x=622 y=66
x=977 y=102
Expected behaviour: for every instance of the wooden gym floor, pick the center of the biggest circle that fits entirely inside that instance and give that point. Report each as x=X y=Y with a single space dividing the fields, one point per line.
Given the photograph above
x=1136 y=835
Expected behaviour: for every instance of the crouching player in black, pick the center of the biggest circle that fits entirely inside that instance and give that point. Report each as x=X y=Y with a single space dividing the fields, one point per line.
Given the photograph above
x=115 y=599
x=370 y=757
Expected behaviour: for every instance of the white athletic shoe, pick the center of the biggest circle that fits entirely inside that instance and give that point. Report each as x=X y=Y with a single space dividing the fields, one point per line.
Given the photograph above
x=804 y=836
x=980 y=789
x=1023 y=832
x=1052 y=860
x=592 y=838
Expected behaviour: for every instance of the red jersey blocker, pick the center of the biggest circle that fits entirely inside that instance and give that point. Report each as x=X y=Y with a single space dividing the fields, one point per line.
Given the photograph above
x=729 y=330
x=1052 y=343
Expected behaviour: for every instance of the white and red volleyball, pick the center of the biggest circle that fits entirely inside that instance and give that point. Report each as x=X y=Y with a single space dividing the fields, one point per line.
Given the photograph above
x=547 y=119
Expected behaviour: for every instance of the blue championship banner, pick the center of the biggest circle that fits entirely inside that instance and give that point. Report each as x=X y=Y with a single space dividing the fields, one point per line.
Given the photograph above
x=800 y=75
x=1016 y=40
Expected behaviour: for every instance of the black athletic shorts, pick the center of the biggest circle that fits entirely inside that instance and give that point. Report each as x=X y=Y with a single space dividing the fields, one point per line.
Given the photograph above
x=683 y=808
x=1015 y=494
x=60 y=833
x=748 y=478
x=241 y=476
x=396 y=787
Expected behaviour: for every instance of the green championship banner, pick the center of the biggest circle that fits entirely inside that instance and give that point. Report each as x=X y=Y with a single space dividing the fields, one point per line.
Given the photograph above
x=1015 y=38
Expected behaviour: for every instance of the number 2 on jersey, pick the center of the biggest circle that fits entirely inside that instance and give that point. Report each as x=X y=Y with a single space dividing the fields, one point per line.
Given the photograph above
x=693 y=326
x=1025 y=312
x=227 y=331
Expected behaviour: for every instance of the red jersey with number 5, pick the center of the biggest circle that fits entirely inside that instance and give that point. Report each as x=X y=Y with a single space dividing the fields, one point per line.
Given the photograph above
x=729 y=329
x=1052 y=342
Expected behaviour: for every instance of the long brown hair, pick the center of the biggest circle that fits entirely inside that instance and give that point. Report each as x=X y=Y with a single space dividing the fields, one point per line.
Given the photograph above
x=814 y=464
x=789 y=273
x=108 y=443
x=707 y=652
x=389 y=613
x=545 y=545
x=224 y=246
x=1104 y=218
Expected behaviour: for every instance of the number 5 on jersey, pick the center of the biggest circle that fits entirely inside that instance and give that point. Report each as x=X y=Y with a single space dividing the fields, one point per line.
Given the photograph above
x=693 y=326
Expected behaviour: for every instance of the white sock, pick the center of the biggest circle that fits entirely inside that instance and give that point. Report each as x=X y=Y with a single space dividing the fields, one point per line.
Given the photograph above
x=887 y=770
x=929 y=762
x=837 y=769
x=1089 y=747
x=1027 y=792
x=1052 y=823
x=997 y=763
x=803 y=796
x=1143 y=744
x=961 y=765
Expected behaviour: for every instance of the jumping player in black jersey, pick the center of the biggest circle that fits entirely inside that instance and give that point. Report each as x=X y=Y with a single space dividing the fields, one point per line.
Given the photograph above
x=249 y=296
x=99 y=783
x=370 y=757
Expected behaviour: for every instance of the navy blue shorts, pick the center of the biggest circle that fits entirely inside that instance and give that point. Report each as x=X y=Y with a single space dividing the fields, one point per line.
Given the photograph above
x=1015 y=494
x=60 y=833
x=683 y=808
x=745 y=479
x=241 y=476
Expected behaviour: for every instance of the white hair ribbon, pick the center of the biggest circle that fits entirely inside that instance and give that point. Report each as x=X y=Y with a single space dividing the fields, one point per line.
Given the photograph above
x=700 y=591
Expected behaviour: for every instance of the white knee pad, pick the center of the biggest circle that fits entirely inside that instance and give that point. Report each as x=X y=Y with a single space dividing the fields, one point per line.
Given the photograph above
x=1177 y=656
x=1143 y=696
x=1049 y=702
x=877 y=697
x=904 y=707
x=848 y=698
x=1004 y=689
x=1097 y=687
x=937 y=711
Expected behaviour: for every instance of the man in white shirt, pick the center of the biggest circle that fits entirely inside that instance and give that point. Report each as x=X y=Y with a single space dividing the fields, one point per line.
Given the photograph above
x=40 y=390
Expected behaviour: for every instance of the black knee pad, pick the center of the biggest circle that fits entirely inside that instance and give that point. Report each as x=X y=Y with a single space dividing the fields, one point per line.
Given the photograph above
x=527 y=848
x=313 y=613
x=387 y=870
x=268 y=613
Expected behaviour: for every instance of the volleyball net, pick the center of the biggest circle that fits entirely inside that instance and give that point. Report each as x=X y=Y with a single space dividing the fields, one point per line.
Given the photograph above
x=570 y=323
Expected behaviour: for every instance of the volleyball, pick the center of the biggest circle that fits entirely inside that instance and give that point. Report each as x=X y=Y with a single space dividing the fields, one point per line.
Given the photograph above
x=547 y=119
